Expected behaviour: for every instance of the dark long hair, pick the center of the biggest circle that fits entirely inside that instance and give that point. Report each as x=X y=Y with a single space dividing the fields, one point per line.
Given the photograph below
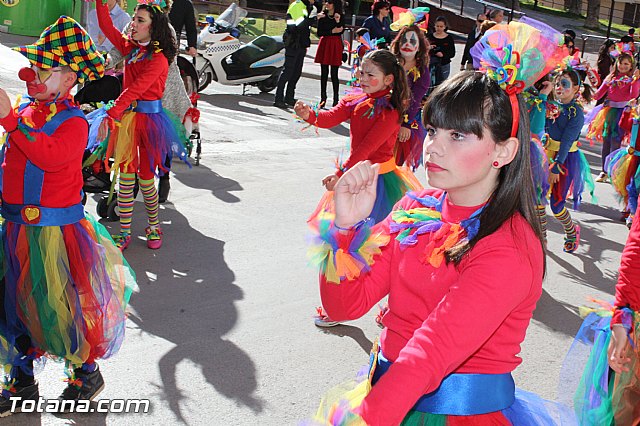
x=389 y=65
x=422 y=56
x=377 y=5
x=337 y=7
x=471 y=102
x=161 y=32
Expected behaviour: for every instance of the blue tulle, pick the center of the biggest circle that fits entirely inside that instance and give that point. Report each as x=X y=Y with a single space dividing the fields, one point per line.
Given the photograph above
x=540 y=172
x=95 y=119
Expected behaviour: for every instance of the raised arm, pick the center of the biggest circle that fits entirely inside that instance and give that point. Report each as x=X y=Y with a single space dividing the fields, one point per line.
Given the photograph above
x=110 y=31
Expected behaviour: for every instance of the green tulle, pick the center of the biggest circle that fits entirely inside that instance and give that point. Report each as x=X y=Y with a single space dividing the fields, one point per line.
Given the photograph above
x=417 y=418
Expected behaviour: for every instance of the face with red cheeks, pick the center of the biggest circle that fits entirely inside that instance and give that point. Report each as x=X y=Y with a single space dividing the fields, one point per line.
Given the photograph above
x=46 y=84
x=461 y=163
x=141 y=26
x=372 y=78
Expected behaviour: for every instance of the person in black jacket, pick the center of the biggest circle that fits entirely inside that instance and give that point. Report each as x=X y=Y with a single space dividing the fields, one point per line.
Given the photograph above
x=442 y=51
x=182 y=16
x=296 y=37
x=472 y=39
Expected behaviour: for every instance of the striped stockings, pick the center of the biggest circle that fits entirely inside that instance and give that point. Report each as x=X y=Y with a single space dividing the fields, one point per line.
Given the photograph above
x=150 y=195
x=567 y=223
x=125 y=201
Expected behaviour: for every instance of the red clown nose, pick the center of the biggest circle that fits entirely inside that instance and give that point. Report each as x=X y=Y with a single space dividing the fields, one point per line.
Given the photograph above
x=26 y=74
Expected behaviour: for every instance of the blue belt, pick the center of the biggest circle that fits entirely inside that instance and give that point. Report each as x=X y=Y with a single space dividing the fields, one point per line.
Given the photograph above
x=462 y=394
x=147 y=107
x=26 y=214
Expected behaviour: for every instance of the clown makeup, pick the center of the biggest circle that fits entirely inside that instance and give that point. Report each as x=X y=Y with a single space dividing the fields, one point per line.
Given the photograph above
x=372 y=78
x=141 y=26
x=409 y=45
x=565 y=90
x=42 y=84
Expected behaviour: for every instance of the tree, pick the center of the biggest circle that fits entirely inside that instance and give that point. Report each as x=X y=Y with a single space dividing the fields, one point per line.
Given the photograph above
x=593 y=12
x=573 y=6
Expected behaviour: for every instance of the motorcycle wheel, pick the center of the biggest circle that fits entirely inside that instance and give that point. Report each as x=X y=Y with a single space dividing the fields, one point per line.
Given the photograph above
x=269 y=84
x=205 y=80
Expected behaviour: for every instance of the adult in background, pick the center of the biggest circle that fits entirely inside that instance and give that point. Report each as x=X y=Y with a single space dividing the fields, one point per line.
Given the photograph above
x=379 y=23
x=497 y=16
x=442 y=51
x=296 y=39
x=605 y=63
x=329 y=54
x=120 y=19
x=182 y=15
x=472 y=38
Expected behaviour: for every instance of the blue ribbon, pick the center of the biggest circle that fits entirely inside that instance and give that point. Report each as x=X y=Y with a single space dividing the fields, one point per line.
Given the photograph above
x=148 y=107
x=48 y=216
x=462 y=394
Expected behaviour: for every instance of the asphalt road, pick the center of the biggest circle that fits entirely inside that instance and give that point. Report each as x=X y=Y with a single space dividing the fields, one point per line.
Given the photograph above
x=221 y=331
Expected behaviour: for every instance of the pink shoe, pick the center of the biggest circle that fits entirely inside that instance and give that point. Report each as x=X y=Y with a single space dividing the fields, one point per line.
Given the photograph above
x=122 y=240
x=154 y=238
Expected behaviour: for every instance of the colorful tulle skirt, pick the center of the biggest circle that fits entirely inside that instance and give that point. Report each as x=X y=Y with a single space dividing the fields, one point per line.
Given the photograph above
x=156 y=134
x=409 y=152
x=64 y=287
x=393 y=183
x=539 y=171
x=604 y=123
x=527 y=409
x=624 y=173
x=576 y=177
x=601 y=396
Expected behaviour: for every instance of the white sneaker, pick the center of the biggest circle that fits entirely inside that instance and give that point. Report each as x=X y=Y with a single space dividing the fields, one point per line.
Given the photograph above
x=323 y=320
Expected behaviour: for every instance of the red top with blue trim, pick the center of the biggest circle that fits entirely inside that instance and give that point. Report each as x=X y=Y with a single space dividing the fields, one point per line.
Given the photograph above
x=59 y=155
x=466 y=319
x=628 y=287
x=144 y=77
x=374 y=126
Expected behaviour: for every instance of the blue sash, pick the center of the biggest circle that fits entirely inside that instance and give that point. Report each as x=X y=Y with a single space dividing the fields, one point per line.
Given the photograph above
x=147 y=107
x=462 y=394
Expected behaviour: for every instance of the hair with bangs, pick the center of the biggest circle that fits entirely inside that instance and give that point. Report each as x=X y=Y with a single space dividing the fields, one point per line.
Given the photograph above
x=471 y=102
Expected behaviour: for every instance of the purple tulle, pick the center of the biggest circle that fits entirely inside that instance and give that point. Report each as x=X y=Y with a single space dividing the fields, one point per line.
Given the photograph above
x=540 y=172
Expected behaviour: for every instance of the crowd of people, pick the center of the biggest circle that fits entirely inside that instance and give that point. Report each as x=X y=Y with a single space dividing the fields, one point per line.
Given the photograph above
x=499 y=140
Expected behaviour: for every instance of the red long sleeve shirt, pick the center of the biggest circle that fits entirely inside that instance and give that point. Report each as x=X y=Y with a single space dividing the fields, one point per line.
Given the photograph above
x=372 y=138
x=144 y=79
x=466 y=319
x=628 y=287
x=59 y=155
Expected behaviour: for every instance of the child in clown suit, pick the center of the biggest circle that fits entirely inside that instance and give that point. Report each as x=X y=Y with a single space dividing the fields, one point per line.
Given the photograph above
x=64 y=284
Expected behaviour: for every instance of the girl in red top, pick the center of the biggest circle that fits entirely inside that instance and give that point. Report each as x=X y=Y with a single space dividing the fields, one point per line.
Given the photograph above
x=462 y=266
x=145 y=133
x=375 y=118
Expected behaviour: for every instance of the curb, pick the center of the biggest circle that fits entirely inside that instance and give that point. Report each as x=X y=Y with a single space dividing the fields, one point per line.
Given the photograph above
x=313 y=76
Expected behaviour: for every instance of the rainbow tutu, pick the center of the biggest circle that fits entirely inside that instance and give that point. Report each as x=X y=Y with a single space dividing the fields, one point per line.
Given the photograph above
x=600 y=396
x=66 y=288
x=605 y=124
x=624 y=173
x=148 y=126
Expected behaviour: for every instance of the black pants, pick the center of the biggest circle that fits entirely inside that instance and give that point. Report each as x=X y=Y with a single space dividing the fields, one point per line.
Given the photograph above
x=324 y=77
x=608 y=146
x=293 y=61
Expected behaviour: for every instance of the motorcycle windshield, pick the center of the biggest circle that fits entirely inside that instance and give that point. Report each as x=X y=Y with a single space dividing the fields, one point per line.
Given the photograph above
x=232 y=16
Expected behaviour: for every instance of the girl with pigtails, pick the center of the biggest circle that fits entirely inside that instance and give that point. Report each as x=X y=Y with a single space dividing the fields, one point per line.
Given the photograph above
x=375 y=117
x=141 y=133
x=462 y=264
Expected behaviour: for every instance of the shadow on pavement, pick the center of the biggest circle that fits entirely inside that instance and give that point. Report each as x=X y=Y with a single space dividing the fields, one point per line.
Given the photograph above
x=556 y=315
x=202 y=177
x=258 y=101
x=187 y=295
x=355 y=333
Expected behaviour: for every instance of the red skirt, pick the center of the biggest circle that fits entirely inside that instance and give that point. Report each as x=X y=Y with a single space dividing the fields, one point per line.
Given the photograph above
x=329 y=51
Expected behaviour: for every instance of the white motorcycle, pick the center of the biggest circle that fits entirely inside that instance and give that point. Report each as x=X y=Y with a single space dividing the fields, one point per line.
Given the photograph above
x=225 y=59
